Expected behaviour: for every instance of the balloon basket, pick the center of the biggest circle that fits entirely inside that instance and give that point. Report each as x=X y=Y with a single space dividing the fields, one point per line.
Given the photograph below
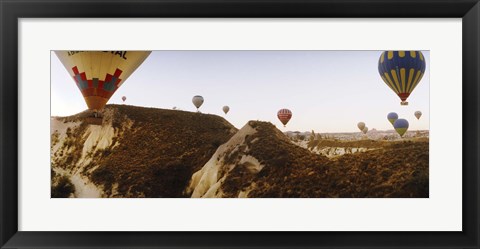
x=94 y=120
x=404 y=103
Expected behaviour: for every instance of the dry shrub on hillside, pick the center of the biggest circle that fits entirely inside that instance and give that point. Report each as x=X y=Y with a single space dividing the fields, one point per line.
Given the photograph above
x=398 y=169
x=157 y=156
x=71 y=150
x=61 y=186
x=281 y=159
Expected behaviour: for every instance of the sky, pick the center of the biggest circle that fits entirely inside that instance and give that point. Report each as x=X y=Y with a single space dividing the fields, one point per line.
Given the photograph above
x=327 y=91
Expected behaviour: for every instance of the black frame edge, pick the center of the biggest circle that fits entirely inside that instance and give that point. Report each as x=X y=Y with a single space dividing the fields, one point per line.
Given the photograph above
x=8 y=125
x=10 y=11
x=240 y=8
x=470 y=136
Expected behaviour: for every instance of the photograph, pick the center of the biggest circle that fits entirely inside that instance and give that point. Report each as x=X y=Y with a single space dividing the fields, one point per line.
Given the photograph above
x=240 y=124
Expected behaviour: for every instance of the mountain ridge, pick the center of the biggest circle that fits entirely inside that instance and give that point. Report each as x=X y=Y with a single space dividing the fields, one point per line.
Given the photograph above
x=155 y=153
x=129 y=156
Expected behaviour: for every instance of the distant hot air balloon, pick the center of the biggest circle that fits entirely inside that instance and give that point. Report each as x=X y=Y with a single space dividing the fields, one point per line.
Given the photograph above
x=226 y=109
x=392 y=117
x=174 y=108
x=418 y=114
x=402 y=71
x=361 y=126
x=197 y=100
x=365 y=130
x=284 y=115
x=98 y=74
x=401 y=126
x=124 y=98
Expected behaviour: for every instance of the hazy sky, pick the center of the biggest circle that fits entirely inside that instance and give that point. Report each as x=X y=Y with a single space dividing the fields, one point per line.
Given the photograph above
x=327 y=91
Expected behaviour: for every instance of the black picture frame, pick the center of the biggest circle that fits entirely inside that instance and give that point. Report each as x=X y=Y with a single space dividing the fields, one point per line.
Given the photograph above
x=11 y=11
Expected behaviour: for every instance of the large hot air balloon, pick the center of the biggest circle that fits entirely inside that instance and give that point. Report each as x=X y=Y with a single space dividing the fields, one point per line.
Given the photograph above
x=284 y=115
x=401 y=126
x=226 y=109
x=392 y=117
x=365 y=130
x=361 y=126
x=418 y=114
x=124 y=98
x=98 y=74
x=402 y=71
x=197 y=100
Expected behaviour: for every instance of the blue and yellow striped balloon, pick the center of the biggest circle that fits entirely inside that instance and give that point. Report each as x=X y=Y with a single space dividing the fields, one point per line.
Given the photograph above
x=402 y=71
x=401 y=126
x=392 y=117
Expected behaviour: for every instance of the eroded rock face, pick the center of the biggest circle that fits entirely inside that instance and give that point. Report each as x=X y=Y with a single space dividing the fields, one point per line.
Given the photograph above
x=136 y=152
x=229 y=157
x=155 y=153
x=260 y=161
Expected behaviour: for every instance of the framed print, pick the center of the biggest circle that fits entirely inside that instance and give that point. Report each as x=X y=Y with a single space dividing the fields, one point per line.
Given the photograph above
x=230 y=154
x=319 y=124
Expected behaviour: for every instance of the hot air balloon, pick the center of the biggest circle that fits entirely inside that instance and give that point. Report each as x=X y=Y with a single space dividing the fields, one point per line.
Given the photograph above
x=226 y=109
x=402 y=71
x=197 y=101
x=401 y=126
x=365 y=130
x=124 y=98
x=361 y=125
x=418 y=114
x=98 y=74
x=284 y=115
x=392 y=117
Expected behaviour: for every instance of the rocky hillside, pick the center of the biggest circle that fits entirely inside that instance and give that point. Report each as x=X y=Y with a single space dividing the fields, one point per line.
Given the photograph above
x=136 y=152
x=260 y=161
x=155 y=153
x=333 y=147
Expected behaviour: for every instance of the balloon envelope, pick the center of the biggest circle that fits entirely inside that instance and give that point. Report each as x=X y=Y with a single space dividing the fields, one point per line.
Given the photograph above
x=418 y=114
x=361 y=126
x=392 y=117
x=226 y=109
x=98 y=74
x=284 y=115
x=401 y=126
x=402 y=71
x=197 y=100
x=124 y=98
x=365 y=130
